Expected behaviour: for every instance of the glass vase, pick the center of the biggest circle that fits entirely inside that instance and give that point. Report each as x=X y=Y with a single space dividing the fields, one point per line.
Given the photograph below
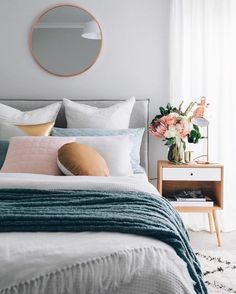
x=175 y=153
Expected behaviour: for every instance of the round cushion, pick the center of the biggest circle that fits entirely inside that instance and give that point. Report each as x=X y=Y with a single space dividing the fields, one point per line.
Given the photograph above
x=75 y=159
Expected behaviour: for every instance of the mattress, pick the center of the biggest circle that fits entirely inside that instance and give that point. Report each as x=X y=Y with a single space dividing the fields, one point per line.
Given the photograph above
x=135 y=264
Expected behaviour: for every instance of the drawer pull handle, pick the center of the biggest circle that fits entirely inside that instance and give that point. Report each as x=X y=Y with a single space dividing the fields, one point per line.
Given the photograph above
x=191 y=174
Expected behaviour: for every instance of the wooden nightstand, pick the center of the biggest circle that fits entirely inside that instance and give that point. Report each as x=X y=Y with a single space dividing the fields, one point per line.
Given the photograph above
x=205 y=177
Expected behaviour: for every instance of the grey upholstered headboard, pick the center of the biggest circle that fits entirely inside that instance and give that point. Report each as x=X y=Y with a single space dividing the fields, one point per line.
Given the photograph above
x=139 y=116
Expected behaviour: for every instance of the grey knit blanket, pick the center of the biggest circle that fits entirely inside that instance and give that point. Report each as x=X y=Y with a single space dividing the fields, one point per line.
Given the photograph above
x=26 y=210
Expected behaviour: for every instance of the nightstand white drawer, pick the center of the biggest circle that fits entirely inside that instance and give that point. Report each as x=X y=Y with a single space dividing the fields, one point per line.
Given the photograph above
x=191 y=174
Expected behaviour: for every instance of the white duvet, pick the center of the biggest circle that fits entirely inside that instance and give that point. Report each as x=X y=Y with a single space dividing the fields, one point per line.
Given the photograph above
x=88 y=262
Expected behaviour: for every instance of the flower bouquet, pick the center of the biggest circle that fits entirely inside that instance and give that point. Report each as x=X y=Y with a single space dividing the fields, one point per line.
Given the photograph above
x=176 y=126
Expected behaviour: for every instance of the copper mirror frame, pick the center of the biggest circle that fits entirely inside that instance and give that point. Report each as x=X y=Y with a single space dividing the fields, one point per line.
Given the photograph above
x=37 y=21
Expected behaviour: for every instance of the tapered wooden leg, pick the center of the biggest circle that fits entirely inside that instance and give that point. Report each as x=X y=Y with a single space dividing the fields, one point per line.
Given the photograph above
x=210 y=222
x=216 y=227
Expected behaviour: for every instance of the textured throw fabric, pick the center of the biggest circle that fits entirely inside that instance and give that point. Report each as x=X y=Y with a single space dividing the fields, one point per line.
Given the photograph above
x=127 y=212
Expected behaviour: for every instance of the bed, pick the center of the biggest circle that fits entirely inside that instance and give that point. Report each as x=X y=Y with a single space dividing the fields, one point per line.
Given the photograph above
x=122 y=253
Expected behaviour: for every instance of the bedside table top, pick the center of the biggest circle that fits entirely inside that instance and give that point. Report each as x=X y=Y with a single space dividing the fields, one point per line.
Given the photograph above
x=167 y=164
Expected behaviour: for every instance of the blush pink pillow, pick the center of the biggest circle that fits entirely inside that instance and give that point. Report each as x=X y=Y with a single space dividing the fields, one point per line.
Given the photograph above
x=36 y=155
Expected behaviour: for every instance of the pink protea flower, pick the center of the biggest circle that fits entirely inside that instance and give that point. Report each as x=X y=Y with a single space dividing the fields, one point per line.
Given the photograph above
x=169 y=119
x=183 y=128
x=158 y=129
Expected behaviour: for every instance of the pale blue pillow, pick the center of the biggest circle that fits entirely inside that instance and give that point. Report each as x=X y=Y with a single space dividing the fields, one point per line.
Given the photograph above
x=136 y=136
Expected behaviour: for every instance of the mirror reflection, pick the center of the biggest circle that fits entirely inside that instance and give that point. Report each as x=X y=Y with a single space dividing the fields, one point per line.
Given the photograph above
x=66 y=40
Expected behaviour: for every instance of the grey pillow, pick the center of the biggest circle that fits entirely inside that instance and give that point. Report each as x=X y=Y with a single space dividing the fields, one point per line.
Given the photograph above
x=3 y=151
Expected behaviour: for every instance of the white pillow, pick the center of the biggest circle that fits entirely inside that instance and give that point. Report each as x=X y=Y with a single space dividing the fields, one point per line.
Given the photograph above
x=115 y=150
x=113 y=117
x=38 y=116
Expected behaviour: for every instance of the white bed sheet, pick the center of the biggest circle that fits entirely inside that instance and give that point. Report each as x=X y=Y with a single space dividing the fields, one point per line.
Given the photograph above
x=26 y=256
x=136 y=182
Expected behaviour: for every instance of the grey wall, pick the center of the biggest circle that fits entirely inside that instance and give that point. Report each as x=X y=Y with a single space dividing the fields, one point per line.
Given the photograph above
x=133 y=60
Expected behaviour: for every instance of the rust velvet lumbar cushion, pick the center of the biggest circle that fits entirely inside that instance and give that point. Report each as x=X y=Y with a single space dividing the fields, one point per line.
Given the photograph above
x=75 y=159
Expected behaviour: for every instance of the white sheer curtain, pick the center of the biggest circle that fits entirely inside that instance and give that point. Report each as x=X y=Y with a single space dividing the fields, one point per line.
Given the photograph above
x=203 y=63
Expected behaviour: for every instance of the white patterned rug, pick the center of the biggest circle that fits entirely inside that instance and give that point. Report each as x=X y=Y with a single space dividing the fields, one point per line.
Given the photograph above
x=219 y=269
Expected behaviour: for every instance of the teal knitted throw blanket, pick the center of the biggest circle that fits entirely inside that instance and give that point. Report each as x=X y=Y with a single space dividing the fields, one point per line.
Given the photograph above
x=26 y=210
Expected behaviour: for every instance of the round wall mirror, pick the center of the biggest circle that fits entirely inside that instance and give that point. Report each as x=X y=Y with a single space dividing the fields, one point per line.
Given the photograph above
x=66 y=40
